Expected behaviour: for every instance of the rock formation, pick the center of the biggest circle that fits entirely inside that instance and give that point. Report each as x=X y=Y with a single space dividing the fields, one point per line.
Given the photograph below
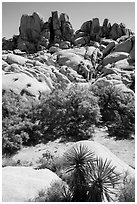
x=20 y=184
x=50 y=55
x=35 y=34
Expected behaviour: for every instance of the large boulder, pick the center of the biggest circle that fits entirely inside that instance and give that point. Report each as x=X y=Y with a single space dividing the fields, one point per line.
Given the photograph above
x=86 y=27
x=125 y=46
x=20 y=184
x=95 y=28
x=66 y=27
x=69 y=59
x=105 y=28
x=114 y=57
x=30 y=27
x=12 y=58
x=24 y=84
x=108 y=49
x=116 y=31
x=124 y=64
x=56 y=24
x=132 y=52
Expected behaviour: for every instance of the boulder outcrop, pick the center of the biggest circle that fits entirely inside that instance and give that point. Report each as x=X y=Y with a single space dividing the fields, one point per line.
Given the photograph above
x=51 y=53
x=21 y=184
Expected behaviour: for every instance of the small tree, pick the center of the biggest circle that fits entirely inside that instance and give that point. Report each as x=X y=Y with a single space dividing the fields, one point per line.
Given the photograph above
x=118 y=110
x=70 y=113
x=19 y=124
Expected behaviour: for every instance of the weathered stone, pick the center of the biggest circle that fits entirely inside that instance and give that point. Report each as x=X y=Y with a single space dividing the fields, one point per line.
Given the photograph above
x=86 y=27
x=124 y=29
x=105 y=41
x=108 y=49
x=122 y=38
x=19 y=184
x=124 y=64
x=18 y=52
x=105 y=28
x=12 y=58
x=12 y=68
x=79 y=34
x=82 y=40
x=114 y=57
x=116 y=31
x=30 y=27
x=132 y=52
x=64 y=17
x=66 y=27
x=95 y=26
x=125 y=46
x=56 y=24
x=67 y=31
x=17 y=82
x=69 y=59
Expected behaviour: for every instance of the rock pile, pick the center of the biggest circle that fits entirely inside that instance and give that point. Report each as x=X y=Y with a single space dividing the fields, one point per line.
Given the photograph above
x=96 y=54
x=35 y=34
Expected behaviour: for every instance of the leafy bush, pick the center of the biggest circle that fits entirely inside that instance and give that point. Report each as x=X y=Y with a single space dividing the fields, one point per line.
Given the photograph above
x=118 y=110
x=19 y=125
x=70 y=113
x=58 y=192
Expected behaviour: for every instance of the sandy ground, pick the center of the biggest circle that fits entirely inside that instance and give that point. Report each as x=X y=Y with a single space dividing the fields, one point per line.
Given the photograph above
x=124 y=149
x=30 y=156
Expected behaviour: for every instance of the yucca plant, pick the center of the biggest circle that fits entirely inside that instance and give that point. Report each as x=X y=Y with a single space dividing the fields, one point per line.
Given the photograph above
x=102 y=181
x=76 y=160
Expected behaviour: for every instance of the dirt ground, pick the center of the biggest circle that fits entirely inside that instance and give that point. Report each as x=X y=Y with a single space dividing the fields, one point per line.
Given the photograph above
x=124 y=149
x=31 y=156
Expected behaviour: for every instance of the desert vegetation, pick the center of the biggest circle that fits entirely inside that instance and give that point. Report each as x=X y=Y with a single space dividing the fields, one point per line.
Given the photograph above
x=59 y=88
x=56 y=115
x=86 y=179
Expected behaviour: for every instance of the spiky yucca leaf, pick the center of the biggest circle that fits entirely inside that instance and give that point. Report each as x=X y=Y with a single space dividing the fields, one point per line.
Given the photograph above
x=102 y=180
x=77 y=157
x=76 y=160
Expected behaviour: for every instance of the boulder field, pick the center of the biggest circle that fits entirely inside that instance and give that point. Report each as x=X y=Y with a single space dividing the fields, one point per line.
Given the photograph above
x=51 y=54
x=20 y=184
x=47 y=55
x=41 y=72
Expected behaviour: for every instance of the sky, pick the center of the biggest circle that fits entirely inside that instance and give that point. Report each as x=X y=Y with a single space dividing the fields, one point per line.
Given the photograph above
x=78 y=13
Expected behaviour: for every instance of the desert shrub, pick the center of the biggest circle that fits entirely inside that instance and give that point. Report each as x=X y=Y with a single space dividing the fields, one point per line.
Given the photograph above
x=19 y=126
x=58 y=192
x=127 y=192
x=70 y=113
x=51 y=162
x=118 y=110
